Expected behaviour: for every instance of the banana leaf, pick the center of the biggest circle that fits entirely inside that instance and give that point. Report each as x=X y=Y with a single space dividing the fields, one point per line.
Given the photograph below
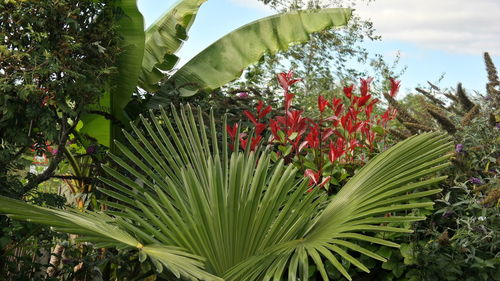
x=225 y=60
x=119 y=91
x=163 y=39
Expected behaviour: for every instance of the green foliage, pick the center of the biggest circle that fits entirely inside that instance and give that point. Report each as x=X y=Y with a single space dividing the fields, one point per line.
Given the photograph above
x=464 y=241
x=163 y=39
x=463 y=233
x=189 y=198
x=249 y=43
x=460 y=239
x=328 y=60
x=107 y=116
x=55 y=59
x=206 y=71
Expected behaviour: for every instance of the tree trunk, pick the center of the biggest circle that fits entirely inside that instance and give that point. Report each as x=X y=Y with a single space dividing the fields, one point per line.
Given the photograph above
x=55 y=260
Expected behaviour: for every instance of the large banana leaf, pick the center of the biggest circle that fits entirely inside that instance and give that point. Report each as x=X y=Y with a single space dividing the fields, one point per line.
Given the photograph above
x=225 y=60
x=145 y=55
x=249 y=218
x=119 y=91
x=163 y=39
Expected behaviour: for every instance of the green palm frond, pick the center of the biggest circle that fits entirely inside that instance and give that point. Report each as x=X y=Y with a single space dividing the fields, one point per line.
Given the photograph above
x=179 y=186
x=386 y=185
x=108 y=232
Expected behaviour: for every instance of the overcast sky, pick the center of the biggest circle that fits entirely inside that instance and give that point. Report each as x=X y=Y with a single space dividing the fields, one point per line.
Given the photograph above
x=433 y=36
x=456 y=26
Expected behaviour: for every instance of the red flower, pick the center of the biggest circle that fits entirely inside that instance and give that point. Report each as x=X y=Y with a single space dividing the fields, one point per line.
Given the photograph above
x=255 y=140
x=296 y=122
x=288 y=101
x=302 y=145
x=253 y=143
x=348 y=124
x=286 y=80
x=326 y=134
x=295 y=143
x=232 y=131
x=353 y=144
x=243 y=142
x=264 y=112
x=250 y=116
x=261 y=113
x=368 y=133
x=353 y=113
x=259 y=106
x=365 y=86
x=370 y=138
x=336 y=150
x=313 y=137
x=365 y=127
x=322 y=103
x=312 y=175
x=394 y=87
x=369 y=108
x=388 y=115
x=275 y=127
x=361 y=101
x=259 y=128
x=348 y=91
x=314 y=178
x=337 y=106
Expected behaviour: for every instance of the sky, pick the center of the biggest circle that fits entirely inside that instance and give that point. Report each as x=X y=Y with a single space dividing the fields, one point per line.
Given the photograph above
x=433 y=37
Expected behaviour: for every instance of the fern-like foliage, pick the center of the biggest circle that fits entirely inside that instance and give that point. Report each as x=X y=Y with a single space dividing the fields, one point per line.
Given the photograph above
x=184 y=200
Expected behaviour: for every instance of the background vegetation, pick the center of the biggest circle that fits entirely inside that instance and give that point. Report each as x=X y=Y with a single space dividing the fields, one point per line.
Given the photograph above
x=63 y=68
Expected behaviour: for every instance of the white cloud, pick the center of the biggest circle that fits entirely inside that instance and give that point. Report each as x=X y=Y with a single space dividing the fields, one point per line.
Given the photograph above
x=457 y=26
x=253 y=4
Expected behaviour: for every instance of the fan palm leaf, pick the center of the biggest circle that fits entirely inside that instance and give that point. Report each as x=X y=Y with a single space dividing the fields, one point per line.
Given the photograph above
x=181 y=194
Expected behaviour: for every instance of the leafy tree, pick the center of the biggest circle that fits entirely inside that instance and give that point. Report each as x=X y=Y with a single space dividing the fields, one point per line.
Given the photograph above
x=54 y=60
x=247 y=218
x=55 y=57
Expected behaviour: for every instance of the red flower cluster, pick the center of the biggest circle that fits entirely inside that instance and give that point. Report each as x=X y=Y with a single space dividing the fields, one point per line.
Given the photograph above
x=256 y=121
x=351 y=126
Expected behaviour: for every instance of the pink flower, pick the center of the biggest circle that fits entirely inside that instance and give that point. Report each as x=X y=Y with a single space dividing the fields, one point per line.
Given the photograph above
x=243 y=95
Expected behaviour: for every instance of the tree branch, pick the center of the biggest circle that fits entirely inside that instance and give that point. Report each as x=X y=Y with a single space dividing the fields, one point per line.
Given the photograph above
x=54 y=162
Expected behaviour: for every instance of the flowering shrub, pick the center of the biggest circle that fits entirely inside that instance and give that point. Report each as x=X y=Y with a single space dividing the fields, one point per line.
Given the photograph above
x=345 y=134
x=460 y=238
